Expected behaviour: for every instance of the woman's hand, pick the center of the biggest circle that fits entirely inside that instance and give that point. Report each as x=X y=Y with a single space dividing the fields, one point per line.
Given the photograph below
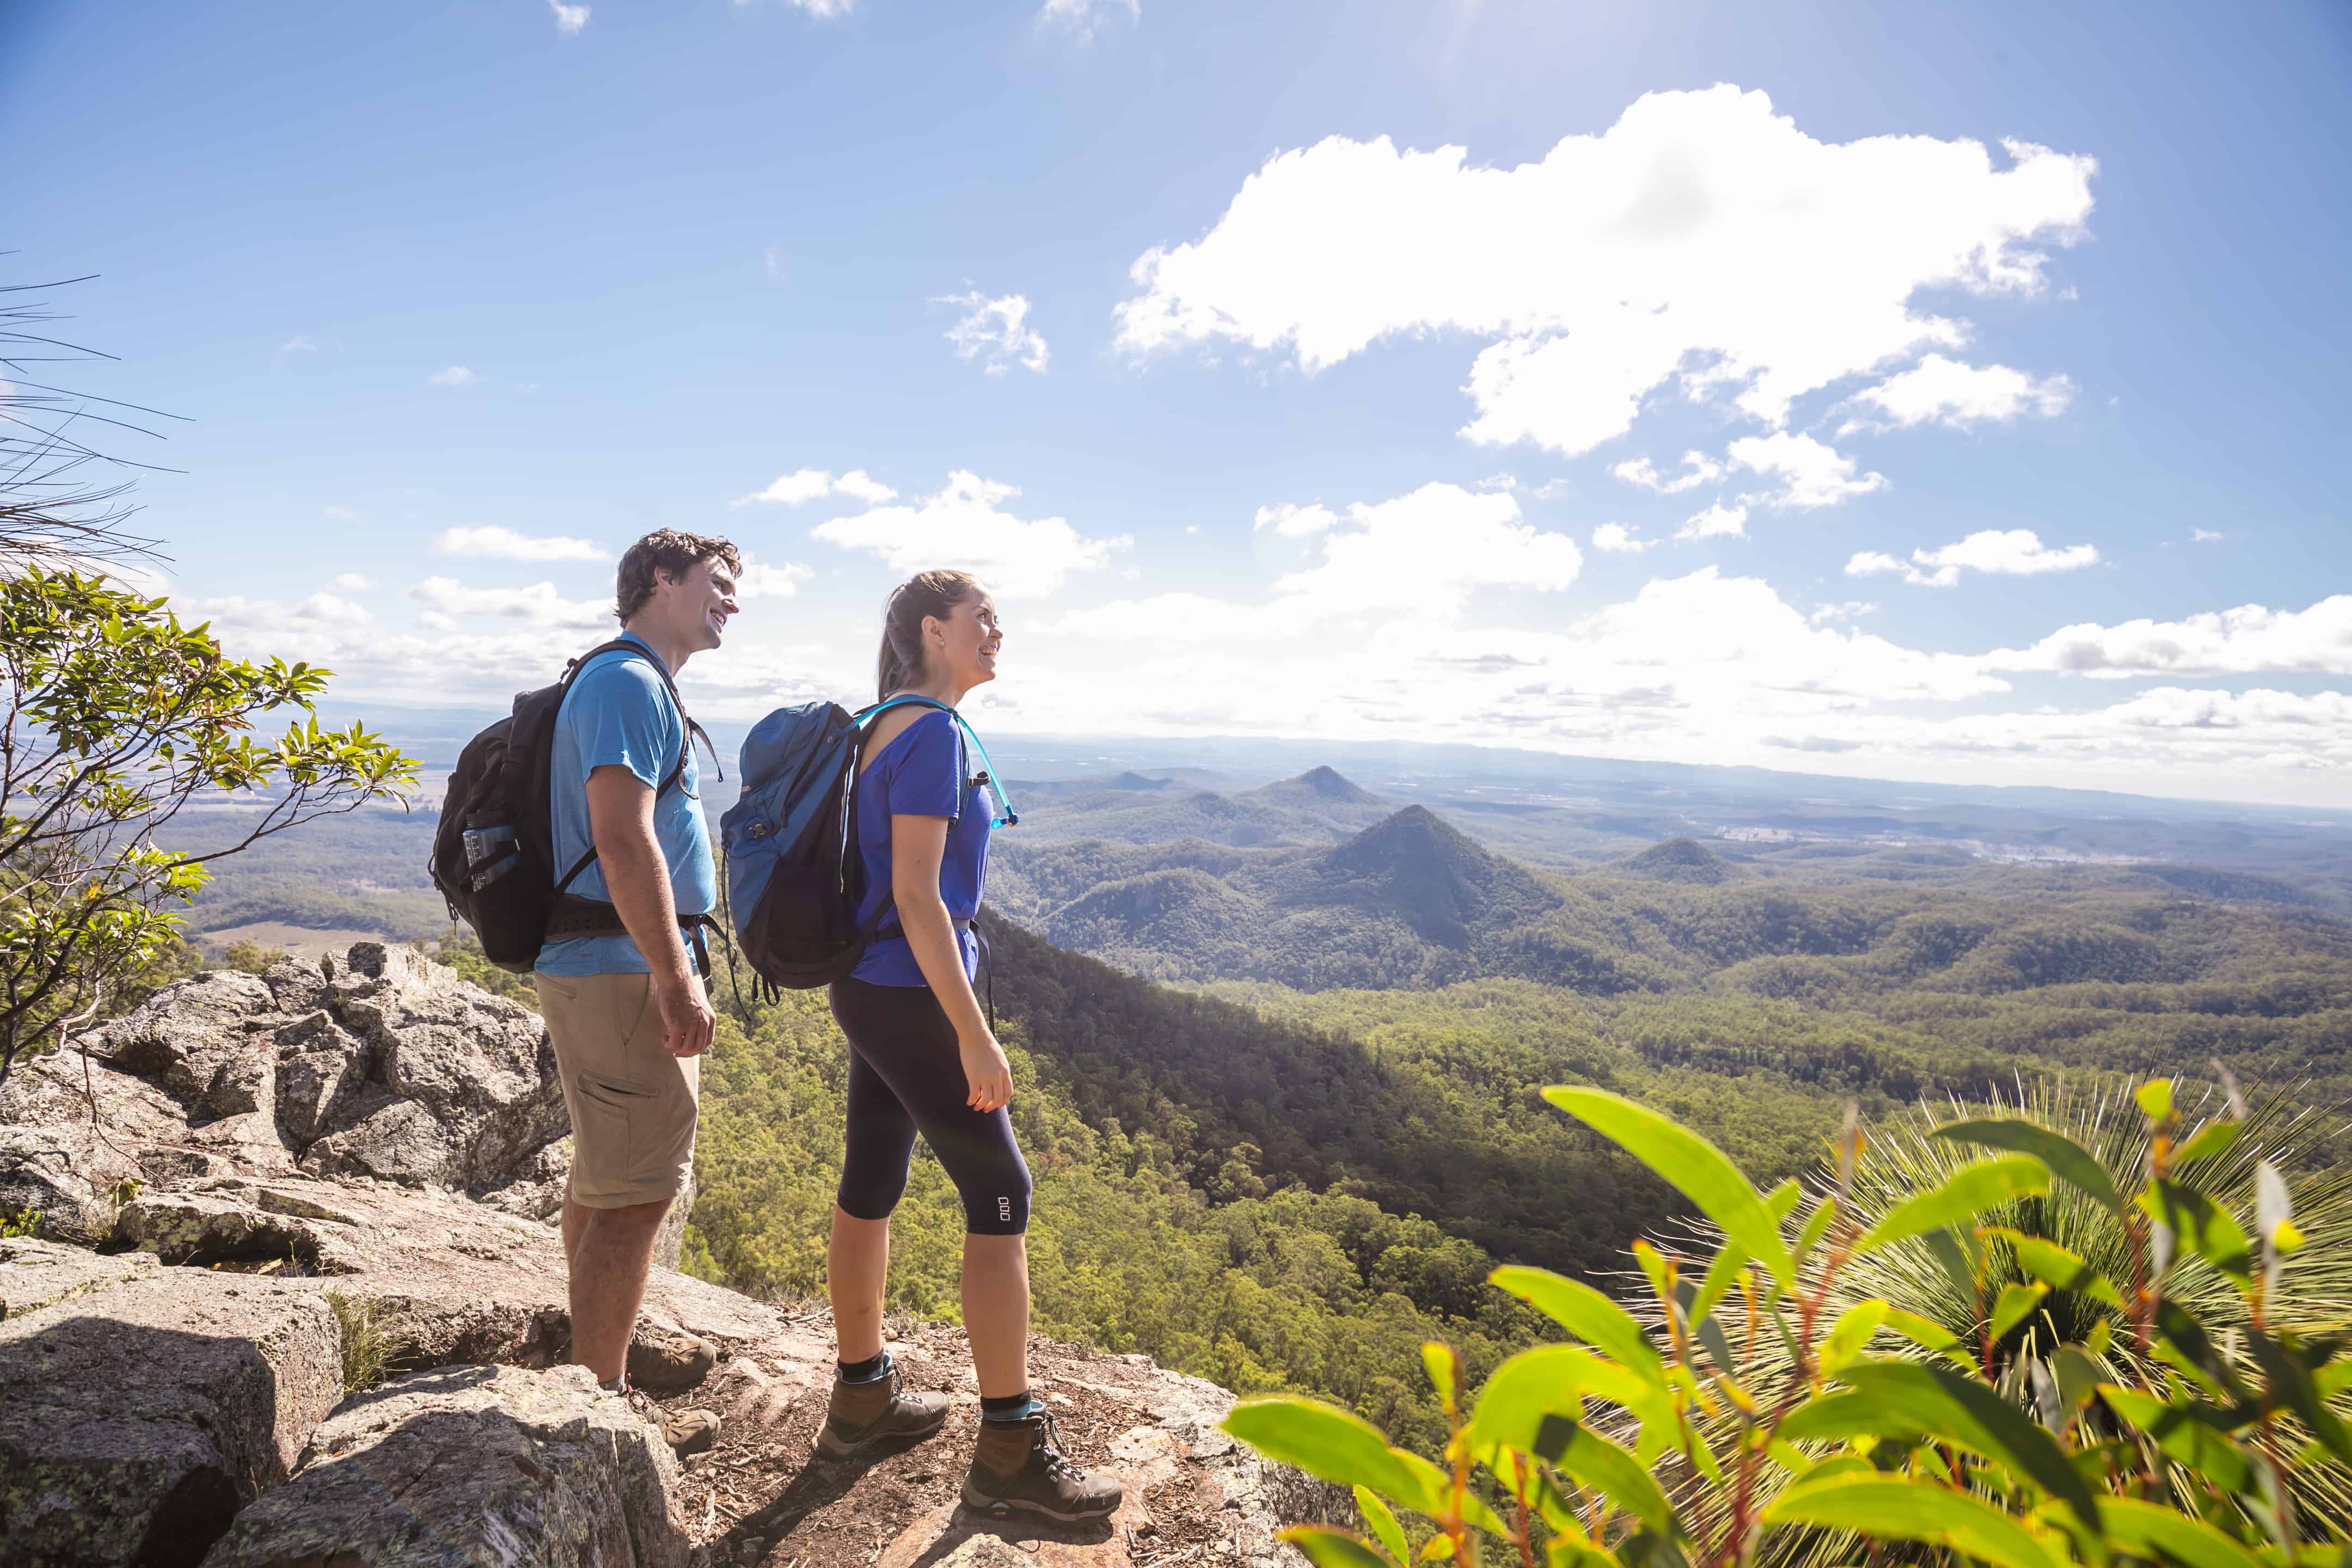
x=987 y=1072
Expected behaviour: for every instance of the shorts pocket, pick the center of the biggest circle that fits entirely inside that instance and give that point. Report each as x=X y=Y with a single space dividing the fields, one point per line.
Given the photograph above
x=615 y=1111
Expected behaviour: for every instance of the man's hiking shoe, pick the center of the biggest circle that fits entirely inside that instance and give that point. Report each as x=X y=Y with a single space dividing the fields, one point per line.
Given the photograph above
x=668 y=1363
x=689 y=1431
x=1020 y=1465
x=685 y=1431
x=879 y=1410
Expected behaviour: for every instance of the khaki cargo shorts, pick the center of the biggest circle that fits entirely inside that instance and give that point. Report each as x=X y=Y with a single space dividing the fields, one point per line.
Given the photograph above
x=632 y=1104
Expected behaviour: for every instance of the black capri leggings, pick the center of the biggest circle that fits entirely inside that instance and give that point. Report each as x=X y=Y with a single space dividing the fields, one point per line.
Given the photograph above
x=906 y=1075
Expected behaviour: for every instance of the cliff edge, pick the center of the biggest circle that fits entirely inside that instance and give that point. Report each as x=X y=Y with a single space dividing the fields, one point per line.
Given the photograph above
x=294 y=1296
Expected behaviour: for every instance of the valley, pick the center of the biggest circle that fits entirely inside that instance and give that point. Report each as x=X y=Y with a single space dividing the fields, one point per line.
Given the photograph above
x=1278 y=1041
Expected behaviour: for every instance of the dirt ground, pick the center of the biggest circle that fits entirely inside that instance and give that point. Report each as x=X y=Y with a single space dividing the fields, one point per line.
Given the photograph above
x=764 y=1496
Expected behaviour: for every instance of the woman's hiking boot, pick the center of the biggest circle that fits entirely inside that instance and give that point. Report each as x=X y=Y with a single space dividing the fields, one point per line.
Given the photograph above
x=1020 y=1465
x=879 y=1410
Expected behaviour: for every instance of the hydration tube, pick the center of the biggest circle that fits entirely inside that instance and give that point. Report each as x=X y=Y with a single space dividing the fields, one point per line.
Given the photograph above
x=1005 y=815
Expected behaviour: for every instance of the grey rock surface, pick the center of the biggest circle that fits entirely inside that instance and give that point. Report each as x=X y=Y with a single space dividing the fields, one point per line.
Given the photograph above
x=473 y=1465
x=137 y=1416
x=376 y=1063
x=37 y=1274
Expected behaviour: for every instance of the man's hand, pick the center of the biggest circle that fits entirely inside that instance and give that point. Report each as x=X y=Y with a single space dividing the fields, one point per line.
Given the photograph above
x=688 y=1022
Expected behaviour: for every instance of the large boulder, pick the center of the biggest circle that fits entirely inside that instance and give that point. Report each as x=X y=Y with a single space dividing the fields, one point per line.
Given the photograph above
x=446 y=1280
x=138 y=1414
x=527 y=1469
x=376 y=1063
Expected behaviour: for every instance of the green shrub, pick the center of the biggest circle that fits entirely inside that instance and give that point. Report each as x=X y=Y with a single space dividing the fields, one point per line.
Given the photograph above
x=2038 y=1337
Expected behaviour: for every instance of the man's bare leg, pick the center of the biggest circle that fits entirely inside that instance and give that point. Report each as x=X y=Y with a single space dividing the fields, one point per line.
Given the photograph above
x=575 y=1222
x=609 y=1264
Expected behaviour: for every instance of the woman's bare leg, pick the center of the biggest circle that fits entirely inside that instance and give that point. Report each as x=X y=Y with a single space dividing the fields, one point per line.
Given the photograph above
x=857 y=1263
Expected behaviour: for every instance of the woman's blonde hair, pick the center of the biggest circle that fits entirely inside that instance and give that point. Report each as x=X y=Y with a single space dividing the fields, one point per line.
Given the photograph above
x=934 y=593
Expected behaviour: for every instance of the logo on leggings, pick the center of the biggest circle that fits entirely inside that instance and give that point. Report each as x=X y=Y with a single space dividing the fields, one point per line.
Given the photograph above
x=1004 y=1210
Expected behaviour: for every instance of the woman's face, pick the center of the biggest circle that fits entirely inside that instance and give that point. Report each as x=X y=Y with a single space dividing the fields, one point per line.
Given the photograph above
x=964 y=647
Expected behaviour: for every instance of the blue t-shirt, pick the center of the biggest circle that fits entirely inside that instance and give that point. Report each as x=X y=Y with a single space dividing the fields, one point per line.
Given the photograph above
x=619 y=711
x=922 y=773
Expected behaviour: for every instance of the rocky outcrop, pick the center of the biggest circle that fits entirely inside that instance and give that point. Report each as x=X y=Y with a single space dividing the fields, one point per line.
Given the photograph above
x=357 y=1164
x=526 y=1469
x=136 y=1417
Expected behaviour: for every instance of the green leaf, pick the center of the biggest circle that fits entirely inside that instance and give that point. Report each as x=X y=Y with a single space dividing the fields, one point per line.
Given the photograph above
x=1929 y=1335
x=1588 y=1314
x=2290 y=1379
x=2150 y=1529
x=2213 y=1138
x=2016 y=1304
x=1885 y=1507
x=1689 y=1162
x=2155 y=1098
x=2185 y=1440
x=2077 y=1375
x=2058 y=1268
x=1721 y=1275
x=1333 y=1445
x=1919 y=1396
x=1445 y=1371
x=1526 y=1390
x=1841 y=1417
x=1965 y=1193
x=2204 y=1228
x=1852 y=1331
x=1817 y=1225
x=1596 y=1462
x=1383 y=1523
x=1328 y=1547
x=1959 y=1265
x=2068 y=1160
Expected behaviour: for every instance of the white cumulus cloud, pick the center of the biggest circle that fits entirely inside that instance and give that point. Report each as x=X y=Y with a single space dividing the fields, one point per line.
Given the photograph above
x=1715 y=523
x=761 y=580
x=2012 y=553
x=539 y=604
x=569 y=19
x=964 y=526
x=1297 y=521
x=1951 y=393
x=351 y=583
x=2250 y=639
x=454 y=375
x=815 y=484
x=1082 y=19
x=1698 y=468
x=505 y=545
x=1812 y=475
x=1616 y=539
x=996 y=332
x=1701 y=234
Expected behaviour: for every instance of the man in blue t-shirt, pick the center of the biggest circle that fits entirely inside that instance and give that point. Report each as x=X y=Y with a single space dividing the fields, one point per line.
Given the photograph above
x=627 y=1015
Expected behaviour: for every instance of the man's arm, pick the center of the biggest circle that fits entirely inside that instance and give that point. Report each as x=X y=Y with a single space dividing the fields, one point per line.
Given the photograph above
x=621 y=824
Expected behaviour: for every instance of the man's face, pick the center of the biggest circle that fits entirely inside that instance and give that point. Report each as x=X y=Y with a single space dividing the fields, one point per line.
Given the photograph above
x=699 y=604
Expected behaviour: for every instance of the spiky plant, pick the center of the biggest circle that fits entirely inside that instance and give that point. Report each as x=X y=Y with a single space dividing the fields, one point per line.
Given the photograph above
x=2021 y=1330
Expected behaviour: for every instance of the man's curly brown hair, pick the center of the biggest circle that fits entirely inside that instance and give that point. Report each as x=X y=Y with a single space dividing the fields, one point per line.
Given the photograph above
x=665 y=549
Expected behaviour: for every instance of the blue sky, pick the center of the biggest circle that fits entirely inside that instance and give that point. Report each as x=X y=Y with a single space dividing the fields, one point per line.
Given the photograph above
x=1978 y=321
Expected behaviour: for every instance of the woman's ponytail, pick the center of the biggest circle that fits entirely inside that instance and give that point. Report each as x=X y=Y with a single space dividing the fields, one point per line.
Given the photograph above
x=932 y=594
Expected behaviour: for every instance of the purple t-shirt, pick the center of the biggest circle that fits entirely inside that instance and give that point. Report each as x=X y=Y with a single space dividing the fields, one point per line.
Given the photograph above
x=922 y=773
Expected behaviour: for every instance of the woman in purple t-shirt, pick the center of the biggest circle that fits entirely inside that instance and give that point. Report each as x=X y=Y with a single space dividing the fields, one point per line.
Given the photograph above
x=923 y=1059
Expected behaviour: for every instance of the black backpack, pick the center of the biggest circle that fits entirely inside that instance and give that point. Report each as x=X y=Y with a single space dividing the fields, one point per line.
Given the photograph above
x=494 y=851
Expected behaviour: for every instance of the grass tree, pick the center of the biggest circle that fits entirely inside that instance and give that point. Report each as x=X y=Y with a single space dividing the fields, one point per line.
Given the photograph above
x=2038 y=1335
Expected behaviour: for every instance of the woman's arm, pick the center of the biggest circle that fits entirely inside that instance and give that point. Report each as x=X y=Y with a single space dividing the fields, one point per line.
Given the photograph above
x=917 y=846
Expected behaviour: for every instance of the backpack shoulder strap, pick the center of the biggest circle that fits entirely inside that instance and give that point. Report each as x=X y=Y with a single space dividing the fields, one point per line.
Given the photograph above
x=694 y=731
